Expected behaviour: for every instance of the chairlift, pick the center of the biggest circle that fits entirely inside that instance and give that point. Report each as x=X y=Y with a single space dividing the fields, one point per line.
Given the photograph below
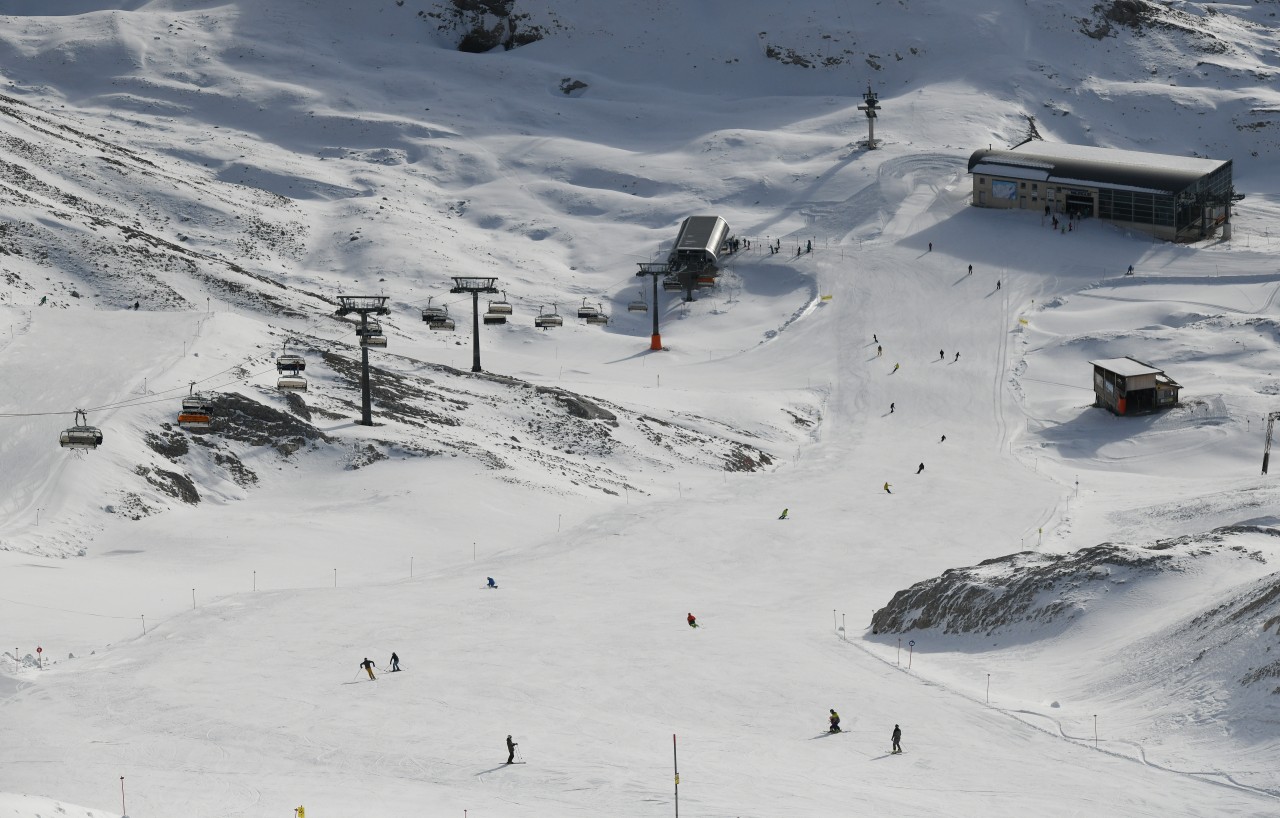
x=500 y=307
x=81 y=435
x=197 y=411
x=599 y=317
x=543 y=320
x=639 y=305
x=431 y=314
x=587 y=311
x=373 y=340
x=442 y=322
x=370 y=328
x=292 y=383
x=706 y=280
x=290 y=363
x=672 y=284
x=491 y=317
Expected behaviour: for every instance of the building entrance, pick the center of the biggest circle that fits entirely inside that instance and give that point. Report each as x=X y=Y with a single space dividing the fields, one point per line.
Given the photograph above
x=1078 y=205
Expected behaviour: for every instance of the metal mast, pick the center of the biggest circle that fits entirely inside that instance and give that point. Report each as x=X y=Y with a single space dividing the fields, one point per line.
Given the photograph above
x=655 y=270
x=364 y=306
x=475 y=286
x=871 y=105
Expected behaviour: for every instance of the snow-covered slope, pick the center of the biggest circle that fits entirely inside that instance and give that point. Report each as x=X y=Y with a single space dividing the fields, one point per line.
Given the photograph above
x=233 y=167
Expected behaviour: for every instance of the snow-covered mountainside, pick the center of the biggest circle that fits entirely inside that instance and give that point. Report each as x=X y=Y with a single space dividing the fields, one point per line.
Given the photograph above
x=187 y=187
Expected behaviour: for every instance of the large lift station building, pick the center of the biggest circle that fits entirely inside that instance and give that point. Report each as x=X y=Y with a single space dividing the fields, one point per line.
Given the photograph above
x=1176 y=198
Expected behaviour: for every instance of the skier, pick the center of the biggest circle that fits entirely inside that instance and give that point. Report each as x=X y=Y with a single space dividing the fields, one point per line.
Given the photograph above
x=492 y=584
x=957 y=357
x=874 y=339
x=1130 y=271
x=395 y=663
x=879 y=350
x=897 y=737
x=891 y=408
x=930 y=247
x=511 y=750
x=970 y=269
x=944 y=439
x=301 y=812
x=693 y=621
x=783 y=515
x=808 y=245
x=43 y=299
x=367 y=664
x=886 y=488
x=136 y=304
x=834 y=718
x=941 y=354
x=997 y=283
x=895 y=367
x=920 y=469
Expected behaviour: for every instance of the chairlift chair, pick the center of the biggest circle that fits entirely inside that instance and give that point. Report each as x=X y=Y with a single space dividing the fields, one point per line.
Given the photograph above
x=292 y=383
x=587 y=311
x=599 y=317
x=373 y=340
x=443 y=322
x=197 y=413
x=491 y=317
x=500 y=307
x=81 y=435
x=672 y=284
x=370 y=328
x=639 y=305
x=290 y=363
x=431 y=314
x=544 y=320
x=706 y=280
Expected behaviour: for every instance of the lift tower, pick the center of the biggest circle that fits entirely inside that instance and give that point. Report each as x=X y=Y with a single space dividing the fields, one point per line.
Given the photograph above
x=475 y=286
x=871 y=105
x=1266 y=450
x=364 y=306
x=657 y=270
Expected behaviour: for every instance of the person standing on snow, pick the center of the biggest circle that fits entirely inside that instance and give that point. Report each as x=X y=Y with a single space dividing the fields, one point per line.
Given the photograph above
x=920 y=469
x=395 y=662
x=957 y=357
x=511 y=750
x=941 y=354
x=970 y=269
x=895 y=367
x=886 y=488
x=492 y=584
x=891 y=408
x=783 y=515
x=834 y=718
x=367 y=664
x=693 y=621
x=879 y=350
x=895 y=738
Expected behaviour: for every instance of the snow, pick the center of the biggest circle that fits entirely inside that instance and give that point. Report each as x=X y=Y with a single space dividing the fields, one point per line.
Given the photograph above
x=404 y=162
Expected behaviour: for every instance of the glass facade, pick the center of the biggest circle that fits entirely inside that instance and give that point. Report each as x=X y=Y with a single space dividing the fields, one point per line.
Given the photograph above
x=1133 y=206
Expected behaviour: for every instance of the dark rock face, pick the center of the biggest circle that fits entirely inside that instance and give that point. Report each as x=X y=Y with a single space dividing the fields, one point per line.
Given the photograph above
x=247 y=421
x=1005 y=591
x=483 y=25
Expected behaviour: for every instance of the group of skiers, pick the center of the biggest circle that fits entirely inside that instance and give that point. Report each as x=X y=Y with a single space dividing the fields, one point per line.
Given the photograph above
x=895 y=738
x=368 y=665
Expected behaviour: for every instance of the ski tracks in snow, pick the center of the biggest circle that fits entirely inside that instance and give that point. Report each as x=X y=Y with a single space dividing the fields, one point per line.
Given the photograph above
x=1217 y=778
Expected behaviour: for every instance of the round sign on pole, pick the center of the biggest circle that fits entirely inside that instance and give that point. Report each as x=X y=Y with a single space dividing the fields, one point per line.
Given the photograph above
x=39 y=649
x=912 y=643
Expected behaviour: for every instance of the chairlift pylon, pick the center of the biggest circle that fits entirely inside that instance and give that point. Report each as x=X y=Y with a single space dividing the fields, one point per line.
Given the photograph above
x=81 y=435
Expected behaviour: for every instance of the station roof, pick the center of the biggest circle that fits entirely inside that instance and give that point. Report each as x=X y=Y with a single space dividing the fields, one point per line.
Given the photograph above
x=1127 y=367
x=1090 y=166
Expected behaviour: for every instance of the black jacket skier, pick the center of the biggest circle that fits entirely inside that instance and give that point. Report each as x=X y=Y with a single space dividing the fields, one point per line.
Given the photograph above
x=395 y=662
x=897 y=737
x=511 y=750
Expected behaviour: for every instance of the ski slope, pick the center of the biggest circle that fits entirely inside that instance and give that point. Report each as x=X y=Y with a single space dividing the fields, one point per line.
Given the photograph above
x=244 y=695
